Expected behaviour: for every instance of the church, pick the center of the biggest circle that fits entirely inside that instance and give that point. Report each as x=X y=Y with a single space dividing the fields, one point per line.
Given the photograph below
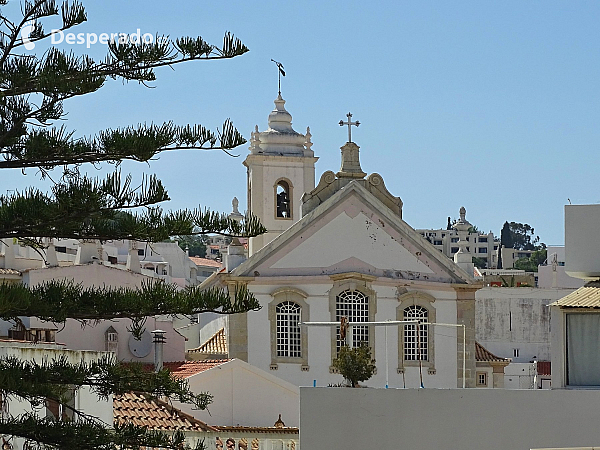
x=341 y=249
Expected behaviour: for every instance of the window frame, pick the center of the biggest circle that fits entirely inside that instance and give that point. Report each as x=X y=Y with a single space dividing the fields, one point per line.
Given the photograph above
x=288 y=312
x=485 y=376
x=421 y=339
x=426 y=301
x=294 y=295
x=352 y=281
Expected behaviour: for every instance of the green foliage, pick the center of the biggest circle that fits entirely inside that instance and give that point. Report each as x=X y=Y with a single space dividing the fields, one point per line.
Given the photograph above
x=519 y=236
x=195 y=244
x=531 y=264
x=355 y=364
x=34 y=89
x=36 y=382
x=480 y=263
x=58 y=301
x=87 y=434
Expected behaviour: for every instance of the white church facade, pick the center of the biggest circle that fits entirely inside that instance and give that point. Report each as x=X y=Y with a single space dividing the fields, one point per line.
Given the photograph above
x=340 y=249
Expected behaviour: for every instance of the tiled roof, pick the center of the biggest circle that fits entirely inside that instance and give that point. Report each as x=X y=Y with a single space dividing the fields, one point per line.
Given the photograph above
x=217 y=344
x=280 y=430
x=154 y=414
x=9 y=272
x=544 y=368
x=484 y=355
x=187 y=369
x=205 y=262
x=587 y=296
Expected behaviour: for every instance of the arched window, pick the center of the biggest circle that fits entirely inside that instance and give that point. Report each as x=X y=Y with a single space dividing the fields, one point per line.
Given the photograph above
x=413 y=342
x=283 y=200
x=288 y=330
x=355 y=306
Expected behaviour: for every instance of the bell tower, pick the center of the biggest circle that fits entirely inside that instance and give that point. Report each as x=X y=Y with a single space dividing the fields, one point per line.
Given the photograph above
x=280 y=168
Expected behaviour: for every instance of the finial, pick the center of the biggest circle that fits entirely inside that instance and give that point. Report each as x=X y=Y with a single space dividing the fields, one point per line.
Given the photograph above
x=279 y=423
x=308 y=143
x=235 y=203
x=463 y=214
x=255 y=141
x=281 y=72
x=349 y=123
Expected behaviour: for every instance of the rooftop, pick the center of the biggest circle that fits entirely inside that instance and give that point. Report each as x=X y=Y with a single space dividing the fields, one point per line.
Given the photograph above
x=153 y=413
x=587 y=296
x=205 y=261
x=484 y=355
x=217 y=344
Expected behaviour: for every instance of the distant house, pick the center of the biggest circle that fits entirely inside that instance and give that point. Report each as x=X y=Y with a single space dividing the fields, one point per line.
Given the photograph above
x=575 y=338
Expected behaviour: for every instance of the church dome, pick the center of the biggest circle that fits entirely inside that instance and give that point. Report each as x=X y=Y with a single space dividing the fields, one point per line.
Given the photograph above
x=280 y=138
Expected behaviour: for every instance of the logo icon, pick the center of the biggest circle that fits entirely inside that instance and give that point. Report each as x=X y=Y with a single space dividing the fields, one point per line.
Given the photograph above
x=25 y=33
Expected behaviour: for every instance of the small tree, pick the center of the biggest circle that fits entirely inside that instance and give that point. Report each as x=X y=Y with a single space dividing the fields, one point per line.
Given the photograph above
x=355 y=364
x=480 y=263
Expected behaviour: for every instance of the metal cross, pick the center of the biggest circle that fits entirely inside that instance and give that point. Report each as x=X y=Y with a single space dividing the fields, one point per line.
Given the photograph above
x=349 y=123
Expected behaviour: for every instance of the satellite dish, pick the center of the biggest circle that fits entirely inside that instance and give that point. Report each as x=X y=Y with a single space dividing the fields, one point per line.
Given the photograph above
x=141 y=348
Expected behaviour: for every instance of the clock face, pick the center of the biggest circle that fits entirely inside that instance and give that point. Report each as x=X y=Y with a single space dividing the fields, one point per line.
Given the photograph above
x=141 y=348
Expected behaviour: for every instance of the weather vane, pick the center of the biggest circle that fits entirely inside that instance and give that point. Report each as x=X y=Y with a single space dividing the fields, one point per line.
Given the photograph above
x=349 y=123
x=281 y=72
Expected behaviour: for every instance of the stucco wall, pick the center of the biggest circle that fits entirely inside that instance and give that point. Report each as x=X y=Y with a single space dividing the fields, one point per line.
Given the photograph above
x=469 y=419
x=85 y=400
x=509 y=318
x=92 y=337
x=244 y=396
x=319 y=339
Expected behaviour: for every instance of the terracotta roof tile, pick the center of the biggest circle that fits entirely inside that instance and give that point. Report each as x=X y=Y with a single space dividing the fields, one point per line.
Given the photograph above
x=483 y=354
x=154 y=414
x=205 y=262
x=186 y=369
x=9 y=272
x=217 y=344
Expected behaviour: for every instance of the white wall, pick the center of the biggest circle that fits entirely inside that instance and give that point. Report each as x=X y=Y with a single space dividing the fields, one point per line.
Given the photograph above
x=244 y=396
x=319 y=340
x=469 y=419
x=85 y=401
x=509 y=318
x=92 y=336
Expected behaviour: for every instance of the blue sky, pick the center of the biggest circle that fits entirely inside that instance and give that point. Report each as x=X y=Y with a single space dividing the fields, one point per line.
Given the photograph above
x=490 y=105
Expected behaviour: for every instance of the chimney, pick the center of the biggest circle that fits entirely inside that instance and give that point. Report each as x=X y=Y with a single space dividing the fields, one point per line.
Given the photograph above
x=159 y=342
x=88 y=251
x=133 y=259
x=51 y=258
x=9 y=253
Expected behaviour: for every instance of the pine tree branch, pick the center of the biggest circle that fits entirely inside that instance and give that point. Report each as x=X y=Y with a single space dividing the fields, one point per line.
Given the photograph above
x=89 y=435
x=57 y=301
x=58 y=378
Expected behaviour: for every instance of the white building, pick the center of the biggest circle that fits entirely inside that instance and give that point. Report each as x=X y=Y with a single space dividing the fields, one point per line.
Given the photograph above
x=82 y=398
x=349 y=254
x=480 y=245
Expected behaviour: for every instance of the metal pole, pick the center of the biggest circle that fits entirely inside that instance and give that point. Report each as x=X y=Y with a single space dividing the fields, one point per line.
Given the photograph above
x=419 y=354
x=464 y=327
x=349 y=337
x=387 y=365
